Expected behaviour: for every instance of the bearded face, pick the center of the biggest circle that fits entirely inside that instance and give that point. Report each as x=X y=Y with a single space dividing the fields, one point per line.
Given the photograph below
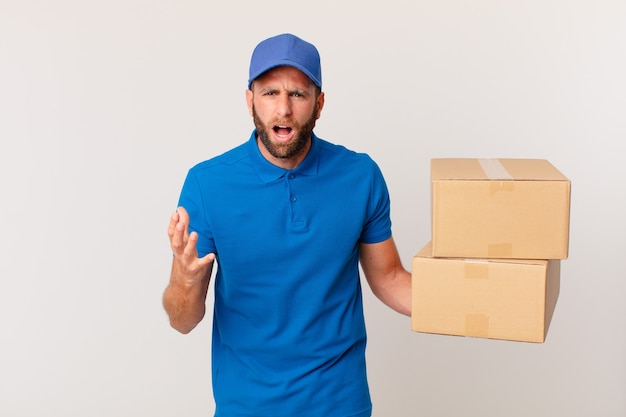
x=289 y=149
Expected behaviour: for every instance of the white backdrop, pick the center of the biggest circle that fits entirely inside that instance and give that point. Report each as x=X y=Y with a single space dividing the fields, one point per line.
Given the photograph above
x=104 y=105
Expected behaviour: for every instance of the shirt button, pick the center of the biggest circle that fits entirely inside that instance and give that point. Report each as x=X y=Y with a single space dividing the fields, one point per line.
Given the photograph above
x=293 y=199
x=291 y=176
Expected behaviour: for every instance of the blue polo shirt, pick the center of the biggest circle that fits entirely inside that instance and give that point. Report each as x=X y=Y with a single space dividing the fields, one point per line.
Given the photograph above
x=288 y=329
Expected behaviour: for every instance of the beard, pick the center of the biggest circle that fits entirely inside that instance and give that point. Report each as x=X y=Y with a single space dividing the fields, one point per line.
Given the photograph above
x=285 y=150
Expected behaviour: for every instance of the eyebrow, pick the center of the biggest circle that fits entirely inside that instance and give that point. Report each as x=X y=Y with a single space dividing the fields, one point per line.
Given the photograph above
x=297 y=90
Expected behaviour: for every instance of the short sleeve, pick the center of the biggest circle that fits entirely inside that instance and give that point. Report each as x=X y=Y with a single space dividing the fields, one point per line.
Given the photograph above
x=193 y=198
x=378 y=225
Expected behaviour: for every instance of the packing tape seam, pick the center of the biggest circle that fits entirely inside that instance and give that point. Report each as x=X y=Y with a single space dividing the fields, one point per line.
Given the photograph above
x=494 y=169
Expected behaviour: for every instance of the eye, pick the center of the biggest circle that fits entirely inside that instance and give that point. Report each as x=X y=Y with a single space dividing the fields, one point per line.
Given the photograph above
x=298 y=94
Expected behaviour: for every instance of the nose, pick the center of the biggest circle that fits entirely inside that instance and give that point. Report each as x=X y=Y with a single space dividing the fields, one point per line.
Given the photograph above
x=283 y=105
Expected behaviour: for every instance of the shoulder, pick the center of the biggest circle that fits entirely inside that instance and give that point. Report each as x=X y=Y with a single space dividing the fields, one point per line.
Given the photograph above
x=339 y=153
x=218 y=164
x=345 y=166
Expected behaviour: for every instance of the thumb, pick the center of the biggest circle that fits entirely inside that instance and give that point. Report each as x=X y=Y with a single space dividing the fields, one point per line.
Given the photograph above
x=207 y=259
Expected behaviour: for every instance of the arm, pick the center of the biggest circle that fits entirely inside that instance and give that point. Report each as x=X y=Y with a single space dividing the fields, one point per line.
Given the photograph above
x=386 y=276
x=185 y=297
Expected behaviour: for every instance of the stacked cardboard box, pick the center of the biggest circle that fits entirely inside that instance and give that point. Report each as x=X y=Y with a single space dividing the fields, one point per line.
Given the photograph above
x=492 y=268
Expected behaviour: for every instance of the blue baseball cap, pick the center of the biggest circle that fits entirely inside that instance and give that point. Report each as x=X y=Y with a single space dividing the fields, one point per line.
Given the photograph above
x=286 y=49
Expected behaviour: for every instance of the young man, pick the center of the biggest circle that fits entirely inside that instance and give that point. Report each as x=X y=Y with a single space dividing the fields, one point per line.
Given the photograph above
x=285 y=217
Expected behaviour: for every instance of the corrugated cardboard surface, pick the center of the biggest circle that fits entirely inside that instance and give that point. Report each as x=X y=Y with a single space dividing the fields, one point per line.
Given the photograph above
x=495 y=298
x=499 y=208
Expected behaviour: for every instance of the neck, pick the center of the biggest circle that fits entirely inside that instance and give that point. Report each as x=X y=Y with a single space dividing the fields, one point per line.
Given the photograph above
x=287 y=163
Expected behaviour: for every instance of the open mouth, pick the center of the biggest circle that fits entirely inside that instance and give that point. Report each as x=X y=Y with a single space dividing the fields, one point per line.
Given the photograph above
x=282 y=130
x=283 y=133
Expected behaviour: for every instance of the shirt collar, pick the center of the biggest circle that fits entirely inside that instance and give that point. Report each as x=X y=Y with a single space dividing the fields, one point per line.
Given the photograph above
x=269 y=172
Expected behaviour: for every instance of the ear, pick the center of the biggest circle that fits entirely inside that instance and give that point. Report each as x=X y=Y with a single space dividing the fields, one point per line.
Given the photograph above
x=320 y=104
x=249 y=98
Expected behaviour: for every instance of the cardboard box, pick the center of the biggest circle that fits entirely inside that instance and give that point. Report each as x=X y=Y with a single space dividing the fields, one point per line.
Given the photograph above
x=499 y=208
x=496 y=298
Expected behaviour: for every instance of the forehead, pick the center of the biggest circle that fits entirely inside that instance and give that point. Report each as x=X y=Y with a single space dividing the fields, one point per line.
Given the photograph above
x=284 y=75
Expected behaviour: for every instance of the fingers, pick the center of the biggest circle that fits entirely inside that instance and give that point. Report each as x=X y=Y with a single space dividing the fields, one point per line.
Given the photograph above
x=207 y=259
x=190 y=245
x=178 y=231
x=183 y=243
x=179 y=216
x=191 y=250
x=172 y=225
x=182 y=214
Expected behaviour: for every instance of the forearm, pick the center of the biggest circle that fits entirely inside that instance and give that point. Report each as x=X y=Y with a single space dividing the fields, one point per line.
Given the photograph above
x=386 y=276
x=185 y=301
x=396 y=291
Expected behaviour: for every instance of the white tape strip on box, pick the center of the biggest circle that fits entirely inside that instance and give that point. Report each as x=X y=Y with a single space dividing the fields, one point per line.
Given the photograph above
x=494 y=169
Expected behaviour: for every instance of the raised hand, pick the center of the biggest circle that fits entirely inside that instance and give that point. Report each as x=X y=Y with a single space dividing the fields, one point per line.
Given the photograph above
x=184 y=298
x=184 y=248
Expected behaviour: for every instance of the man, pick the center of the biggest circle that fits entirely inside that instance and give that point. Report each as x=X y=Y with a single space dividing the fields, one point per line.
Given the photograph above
x=285 y=217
